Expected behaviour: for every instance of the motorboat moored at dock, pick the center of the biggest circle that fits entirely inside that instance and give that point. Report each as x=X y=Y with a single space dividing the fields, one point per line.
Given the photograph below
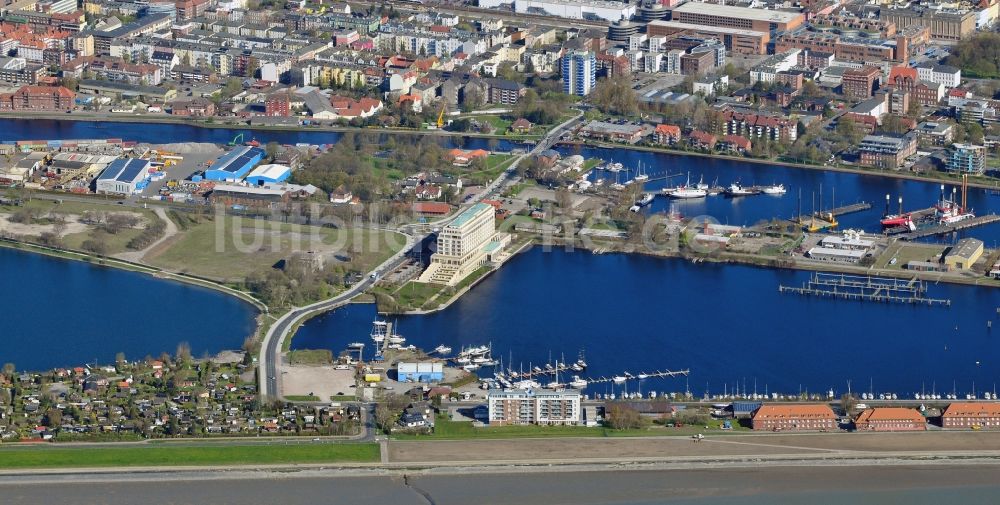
x=774 y=190
x=735 y=189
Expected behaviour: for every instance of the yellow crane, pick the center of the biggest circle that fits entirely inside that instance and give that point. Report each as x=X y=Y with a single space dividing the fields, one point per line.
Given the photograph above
x=440 y=122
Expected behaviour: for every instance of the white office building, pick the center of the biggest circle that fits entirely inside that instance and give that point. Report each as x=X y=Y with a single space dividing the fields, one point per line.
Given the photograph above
x=946 y=75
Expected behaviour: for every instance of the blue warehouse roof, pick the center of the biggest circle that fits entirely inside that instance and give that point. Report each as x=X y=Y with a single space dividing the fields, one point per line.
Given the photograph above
x=234 y=164
x=236 y=159
x=125 y=170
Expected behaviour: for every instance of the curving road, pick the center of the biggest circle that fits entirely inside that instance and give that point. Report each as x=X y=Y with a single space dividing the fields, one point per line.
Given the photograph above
x=282 y=328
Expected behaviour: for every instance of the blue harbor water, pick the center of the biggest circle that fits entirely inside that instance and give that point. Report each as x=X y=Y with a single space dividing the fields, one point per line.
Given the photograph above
x=66 y=313
x=727 y=323
x=838 y=189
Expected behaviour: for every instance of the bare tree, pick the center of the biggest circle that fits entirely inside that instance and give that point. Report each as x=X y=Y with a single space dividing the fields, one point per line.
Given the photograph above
x=388 y=410
x=620 y=416
x=183 y=352
x=848 y=404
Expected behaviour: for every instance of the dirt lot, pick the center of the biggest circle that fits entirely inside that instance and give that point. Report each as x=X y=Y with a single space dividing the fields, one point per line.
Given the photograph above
x=848 y=444
x=571 y=448
x=322 y=381
x=73 y=225
x=548 y=195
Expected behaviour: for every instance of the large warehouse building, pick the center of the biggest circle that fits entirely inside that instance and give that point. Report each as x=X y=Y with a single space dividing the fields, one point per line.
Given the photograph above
x=235 y=164
x=736 y=40
x=123 y=176
x=269 y=174
x=742 y=18
x=576 y=9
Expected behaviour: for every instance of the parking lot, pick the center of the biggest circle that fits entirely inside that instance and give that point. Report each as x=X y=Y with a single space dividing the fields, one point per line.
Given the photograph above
x=195 y=156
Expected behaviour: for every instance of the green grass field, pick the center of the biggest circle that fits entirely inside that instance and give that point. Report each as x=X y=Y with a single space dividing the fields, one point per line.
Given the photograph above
x=302 y=398
x=116 y=243
x=167 y=455
x=414 y=294
x=239 y=247
x=460 y=430
x=907 y=252
x=310 y=356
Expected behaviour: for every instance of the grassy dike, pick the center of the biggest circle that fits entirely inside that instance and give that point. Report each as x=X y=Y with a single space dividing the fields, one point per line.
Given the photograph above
x=12 y=458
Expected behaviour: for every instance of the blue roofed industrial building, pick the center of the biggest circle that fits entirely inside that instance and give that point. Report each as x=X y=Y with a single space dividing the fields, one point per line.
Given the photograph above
x=269 y=174
x=235 y=164
x=123 y=176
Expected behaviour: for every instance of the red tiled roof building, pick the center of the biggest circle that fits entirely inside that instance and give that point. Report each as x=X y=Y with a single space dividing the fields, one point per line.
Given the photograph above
x=40 y=98
x=813 y=417
x=890 y=419
x=971 y=415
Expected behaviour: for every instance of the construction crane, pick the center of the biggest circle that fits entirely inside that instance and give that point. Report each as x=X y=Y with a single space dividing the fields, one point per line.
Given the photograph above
x=235 y=139
x=440 y=121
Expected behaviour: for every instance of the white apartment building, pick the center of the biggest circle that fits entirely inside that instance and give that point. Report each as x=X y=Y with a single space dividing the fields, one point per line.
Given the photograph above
x=533 y=407
x=635 y=42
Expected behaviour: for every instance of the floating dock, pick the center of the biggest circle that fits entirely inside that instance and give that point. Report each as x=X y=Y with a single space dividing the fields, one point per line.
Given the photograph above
x=942 y=229
x=548 y=370
x=865 y=288
x=629 y=376
x=824 y=219
x=848 y=209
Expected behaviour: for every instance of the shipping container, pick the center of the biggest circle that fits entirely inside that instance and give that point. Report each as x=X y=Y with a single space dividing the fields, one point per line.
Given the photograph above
x=372 y=377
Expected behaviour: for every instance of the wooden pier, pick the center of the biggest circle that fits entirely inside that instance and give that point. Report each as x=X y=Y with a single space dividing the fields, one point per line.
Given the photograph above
x=872 y=289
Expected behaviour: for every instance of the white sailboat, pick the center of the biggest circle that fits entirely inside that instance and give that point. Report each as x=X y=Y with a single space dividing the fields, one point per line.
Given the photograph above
x=640 y=175
x=379 y=329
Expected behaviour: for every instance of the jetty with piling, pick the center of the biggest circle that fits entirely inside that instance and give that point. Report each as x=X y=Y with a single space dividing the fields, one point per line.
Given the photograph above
x=865 y=288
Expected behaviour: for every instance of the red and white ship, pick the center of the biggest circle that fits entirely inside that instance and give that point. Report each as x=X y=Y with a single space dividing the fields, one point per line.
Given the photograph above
x=949 y=211
x=898 y=220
